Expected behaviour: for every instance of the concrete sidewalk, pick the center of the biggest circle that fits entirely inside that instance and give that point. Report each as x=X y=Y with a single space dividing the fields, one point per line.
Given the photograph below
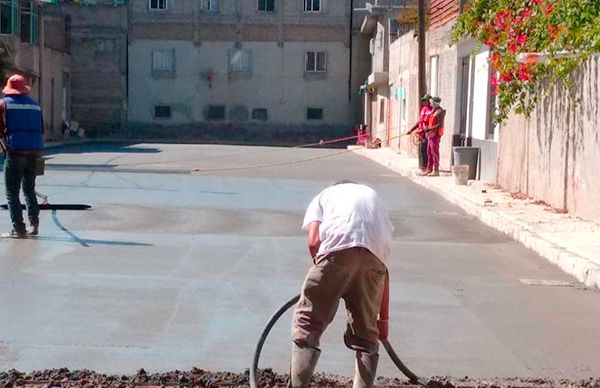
x=569 y=242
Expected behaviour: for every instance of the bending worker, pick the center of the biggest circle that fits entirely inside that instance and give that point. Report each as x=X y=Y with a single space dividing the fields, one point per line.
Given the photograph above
x=349 y=239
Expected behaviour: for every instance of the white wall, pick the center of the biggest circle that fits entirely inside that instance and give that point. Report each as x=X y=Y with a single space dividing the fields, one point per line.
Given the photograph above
x=480 y=96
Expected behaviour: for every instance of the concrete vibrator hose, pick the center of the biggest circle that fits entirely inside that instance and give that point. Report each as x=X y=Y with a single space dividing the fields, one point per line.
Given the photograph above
x=388 y=347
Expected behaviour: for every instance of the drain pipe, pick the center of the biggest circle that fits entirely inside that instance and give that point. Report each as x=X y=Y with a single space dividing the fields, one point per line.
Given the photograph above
x=388 y=347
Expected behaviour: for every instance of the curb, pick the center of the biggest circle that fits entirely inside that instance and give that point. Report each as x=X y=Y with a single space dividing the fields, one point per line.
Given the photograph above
x=580 y=267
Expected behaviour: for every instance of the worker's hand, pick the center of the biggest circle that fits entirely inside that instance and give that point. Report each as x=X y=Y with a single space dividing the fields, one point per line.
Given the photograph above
x=383 y=326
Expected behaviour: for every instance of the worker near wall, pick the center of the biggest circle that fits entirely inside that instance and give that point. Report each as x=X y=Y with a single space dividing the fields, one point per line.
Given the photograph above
x=349 y=239
x=419 y=127
x=22 y=133
x=434 y=132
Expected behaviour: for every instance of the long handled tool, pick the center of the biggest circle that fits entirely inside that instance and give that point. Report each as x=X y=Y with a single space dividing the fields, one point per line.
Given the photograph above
x=53 y=206
x=388 y=347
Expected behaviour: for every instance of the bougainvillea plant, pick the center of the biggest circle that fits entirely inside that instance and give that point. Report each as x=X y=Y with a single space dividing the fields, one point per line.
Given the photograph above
x=531 y=42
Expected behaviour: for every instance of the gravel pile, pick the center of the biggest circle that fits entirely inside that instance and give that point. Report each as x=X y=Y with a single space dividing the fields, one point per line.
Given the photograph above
x=267 y=378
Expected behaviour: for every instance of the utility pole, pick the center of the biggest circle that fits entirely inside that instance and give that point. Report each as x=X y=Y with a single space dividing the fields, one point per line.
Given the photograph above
x=422 y=53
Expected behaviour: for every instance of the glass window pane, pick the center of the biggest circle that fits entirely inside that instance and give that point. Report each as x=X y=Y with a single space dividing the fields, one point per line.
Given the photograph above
x=310 y=61
x=321 y=61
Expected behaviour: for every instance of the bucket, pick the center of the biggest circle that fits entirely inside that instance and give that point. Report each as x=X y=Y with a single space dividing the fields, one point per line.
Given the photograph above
x=467 y=156
x=461 y=174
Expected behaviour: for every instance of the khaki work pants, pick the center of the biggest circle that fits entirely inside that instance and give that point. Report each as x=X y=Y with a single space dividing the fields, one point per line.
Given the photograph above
x=354 y=275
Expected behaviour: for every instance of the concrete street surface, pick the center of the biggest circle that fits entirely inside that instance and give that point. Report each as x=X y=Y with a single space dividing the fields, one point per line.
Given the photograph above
x=189 y=249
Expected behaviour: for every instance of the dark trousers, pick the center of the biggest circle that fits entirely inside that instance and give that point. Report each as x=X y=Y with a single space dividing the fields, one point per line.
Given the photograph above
x=423 y=153
x=19 y=170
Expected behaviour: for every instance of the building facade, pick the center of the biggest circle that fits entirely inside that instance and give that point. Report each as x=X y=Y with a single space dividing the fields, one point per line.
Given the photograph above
x=282 y=65
x=98 y=32
x=33 y=43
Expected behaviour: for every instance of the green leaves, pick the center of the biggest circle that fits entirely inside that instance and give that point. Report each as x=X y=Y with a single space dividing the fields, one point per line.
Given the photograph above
x=548 y=27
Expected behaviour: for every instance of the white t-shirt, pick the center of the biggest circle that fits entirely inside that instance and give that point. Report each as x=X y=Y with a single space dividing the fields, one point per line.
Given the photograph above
x=351 y=215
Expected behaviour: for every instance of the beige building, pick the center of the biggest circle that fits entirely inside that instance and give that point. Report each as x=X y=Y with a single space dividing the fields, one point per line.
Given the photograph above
x=278 y=64
x=33 y=42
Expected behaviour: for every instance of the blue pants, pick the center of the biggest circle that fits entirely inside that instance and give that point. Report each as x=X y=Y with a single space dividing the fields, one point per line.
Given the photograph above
x=19 y=170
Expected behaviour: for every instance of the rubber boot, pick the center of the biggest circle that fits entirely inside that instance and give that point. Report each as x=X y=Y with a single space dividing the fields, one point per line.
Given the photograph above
x=304 y=361
x=366 y=370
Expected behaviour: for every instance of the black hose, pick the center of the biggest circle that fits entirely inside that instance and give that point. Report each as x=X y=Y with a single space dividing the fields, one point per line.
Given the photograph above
x=263 y=337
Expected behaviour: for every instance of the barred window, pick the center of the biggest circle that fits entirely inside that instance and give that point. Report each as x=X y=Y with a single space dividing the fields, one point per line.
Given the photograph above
x=315 y=62
x=29 y=22
x=240 y=61
x=209 y=6
x=8 y=17
x=163 y=61
x=266 y=5
x=312 y=5
x=157 y=5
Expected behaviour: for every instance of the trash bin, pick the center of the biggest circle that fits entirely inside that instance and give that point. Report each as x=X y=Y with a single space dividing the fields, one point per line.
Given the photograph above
x=467 y=156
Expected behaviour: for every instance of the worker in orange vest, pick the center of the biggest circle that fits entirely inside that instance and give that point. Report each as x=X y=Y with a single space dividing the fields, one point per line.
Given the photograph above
x=433 y=133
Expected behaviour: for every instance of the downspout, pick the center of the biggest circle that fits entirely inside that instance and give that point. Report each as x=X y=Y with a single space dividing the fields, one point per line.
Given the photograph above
x=350 y=35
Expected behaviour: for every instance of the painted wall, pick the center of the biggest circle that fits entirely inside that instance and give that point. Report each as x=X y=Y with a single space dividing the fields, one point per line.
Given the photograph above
x=554 y=155
x=278 y=82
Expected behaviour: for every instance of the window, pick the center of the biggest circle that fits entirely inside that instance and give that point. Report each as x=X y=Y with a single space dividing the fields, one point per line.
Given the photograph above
x=240 y=61
x=382 y=111
x=266 y=5
x=216 y=112
x=314 y=114
x=163 y=62
x=157 y=5
x=433 y=75
x=162 y=111
x=312 y=5
x=209 y=6
x=8 y=17
x=29 y=20
x=260 y=114
x=315 y=62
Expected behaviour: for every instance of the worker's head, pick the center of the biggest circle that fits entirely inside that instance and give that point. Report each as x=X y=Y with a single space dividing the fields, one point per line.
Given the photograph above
x=425 y=100
x=435 y=102
x=16 y=85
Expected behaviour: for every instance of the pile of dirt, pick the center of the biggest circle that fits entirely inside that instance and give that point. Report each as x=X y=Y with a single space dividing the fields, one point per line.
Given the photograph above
x=267 y=378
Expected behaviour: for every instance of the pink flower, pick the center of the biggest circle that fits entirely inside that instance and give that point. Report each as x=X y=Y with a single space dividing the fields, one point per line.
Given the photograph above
x=524 y=75
x=526 y=13
x=521 y=39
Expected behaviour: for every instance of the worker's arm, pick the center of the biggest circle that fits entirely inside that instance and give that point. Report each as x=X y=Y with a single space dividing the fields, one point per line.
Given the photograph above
x=440 y=115
x=2 y=126
x=384 y=310
x=314 y=241
x=413 y=128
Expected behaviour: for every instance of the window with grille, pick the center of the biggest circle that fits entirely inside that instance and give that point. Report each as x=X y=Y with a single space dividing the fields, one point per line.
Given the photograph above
x=158 y=5
x=260 y=114
x=315 y=62
x=312 y=5
x=209 y=6
x=314 y=113
x=163 y=63
x=8 y=17
x=215 y=112
x=29 y=22
x=240 y=61
x=266 y=5
x=162 y=111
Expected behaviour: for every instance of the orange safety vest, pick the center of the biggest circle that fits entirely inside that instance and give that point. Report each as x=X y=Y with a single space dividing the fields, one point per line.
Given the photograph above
x=433 y=120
